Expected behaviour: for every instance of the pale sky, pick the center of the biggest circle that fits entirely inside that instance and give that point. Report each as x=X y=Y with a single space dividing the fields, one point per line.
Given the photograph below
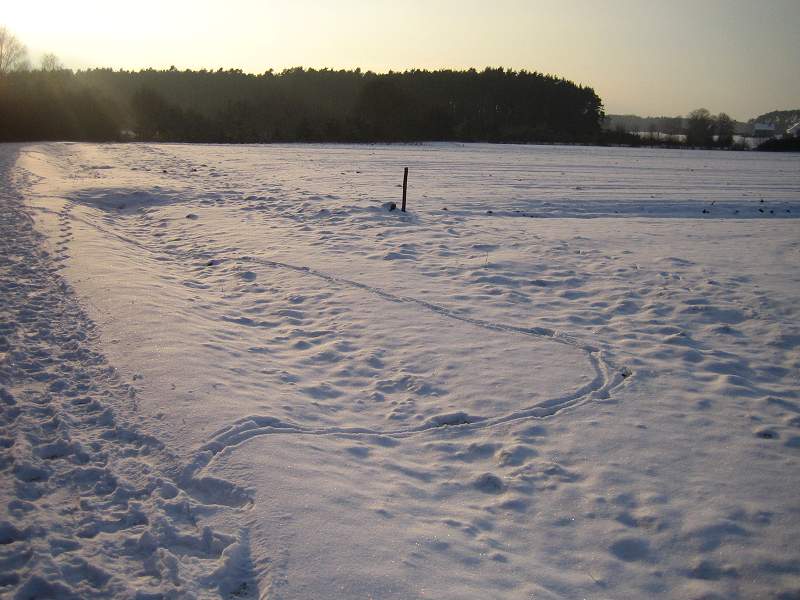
x=648 y=57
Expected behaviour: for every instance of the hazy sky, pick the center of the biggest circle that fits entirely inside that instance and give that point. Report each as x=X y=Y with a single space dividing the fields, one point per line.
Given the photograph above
x=649 y=57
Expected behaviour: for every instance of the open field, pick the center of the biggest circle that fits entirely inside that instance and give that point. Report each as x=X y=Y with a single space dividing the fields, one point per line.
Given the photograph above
x=566 y=372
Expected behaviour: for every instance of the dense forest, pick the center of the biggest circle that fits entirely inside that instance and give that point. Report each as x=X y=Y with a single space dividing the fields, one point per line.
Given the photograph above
x=492 y=105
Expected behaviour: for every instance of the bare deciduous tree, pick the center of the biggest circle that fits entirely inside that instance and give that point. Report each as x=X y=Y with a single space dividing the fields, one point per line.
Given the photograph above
x=51 y=63
x=12 y=52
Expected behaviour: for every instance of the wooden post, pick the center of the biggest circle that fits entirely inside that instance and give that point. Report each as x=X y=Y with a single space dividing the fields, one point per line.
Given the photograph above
x=405 y=185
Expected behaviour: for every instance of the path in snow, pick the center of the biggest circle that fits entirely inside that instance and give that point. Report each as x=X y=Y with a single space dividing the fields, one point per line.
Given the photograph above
x=90 y=506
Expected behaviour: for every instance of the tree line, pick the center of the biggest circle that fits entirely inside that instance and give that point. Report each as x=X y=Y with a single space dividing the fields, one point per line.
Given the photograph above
x=699 y=129
x=307 y=105
x=706 y=130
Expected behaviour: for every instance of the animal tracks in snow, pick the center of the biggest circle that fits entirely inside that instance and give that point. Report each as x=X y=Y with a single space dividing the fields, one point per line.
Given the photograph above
x=607 y=377
x=311 y=326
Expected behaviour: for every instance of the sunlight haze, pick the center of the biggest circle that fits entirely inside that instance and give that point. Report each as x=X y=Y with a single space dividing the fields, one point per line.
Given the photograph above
x=641 y=56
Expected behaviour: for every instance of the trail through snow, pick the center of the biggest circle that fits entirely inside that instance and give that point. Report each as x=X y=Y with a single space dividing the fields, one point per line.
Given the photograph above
x=567 y=372
x=93 y=507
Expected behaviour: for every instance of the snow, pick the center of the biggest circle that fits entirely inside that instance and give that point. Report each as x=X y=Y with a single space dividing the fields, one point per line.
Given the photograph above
x=566 y=372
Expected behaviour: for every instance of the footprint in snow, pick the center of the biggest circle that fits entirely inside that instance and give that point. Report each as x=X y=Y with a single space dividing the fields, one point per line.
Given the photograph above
x=767 y=434
x=489 y=483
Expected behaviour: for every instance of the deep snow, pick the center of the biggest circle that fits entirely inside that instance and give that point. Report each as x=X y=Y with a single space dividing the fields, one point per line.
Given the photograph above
x=565 y=373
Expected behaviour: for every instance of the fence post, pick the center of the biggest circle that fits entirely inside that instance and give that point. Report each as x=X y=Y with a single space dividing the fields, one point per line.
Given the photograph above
x=405 y=185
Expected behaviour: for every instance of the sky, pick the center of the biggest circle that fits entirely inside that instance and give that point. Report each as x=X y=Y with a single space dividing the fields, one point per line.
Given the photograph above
x=646 y=57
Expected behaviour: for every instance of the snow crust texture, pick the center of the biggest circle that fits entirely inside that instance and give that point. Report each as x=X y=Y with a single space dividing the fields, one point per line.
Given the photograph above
x=565 y=373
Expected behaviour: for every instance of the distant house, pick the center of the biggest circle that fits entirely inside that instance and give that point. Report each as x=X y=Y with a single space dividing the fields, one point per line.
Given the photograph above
x=763 y=130
x=794 y=131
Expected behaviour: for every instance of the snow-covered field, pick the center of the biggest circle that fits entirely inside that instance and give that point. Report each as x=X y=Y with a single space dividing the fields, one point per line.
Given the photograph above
x=230 y=371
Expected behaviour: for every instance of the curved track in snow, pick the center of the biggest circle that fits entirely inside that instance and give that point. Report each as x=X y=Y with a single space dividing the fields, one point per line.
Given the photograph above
x=607 y=377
